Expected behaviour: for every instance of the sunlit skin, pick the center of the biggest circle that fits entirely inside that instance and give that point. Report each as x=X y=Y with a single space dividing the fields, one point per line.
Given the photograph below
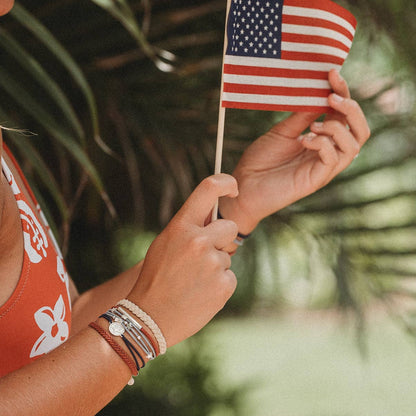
x=185 y=278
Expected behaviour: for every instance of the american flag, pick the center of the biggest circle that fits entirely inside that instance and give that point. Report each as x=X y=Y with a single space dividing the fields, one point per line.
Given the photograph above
x=279 y=53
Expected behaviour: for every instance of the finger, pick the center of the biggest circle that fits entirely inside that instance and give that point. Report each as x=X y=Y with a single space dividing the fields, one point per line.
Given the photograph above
x=222 y=232
x=354 y=116
x=295 y=124
x=223 y=260
x=229 y=283
x=324 y=145
x=203 y=199
x=339 y=87
x=342 y=137
x=338 y=84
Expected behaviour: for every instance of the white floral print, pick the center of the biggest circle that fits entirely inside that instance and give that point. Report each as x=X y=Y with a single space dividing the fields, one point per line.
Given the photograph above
x=50 y=320
x=63 y=275
x=55 y=329
x=34 y=235
x=10 y=178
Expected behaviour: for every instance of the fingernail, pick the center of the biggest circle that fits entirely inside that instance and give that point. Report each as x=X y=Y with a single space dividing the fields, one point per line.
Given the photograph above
x=337 y=98
x=317 y=124
x=300 y=138
x=310 y=136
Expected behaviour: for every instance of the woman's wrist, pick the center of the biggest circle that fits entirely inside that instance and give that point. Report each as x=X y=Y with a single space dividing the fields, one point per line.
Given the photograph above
x=130 y=335
x=231 y=210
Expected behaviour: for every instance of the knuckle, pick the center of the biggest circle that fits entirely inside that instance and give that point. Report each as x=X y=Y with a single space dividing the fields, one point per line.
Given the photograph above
x=213 y=182
x=327 y=141
x=210 y=183
x=198 y=243
x=353 y=105
x=212 y=261
x=230 y=283
x=330 y=124
x=338 y=127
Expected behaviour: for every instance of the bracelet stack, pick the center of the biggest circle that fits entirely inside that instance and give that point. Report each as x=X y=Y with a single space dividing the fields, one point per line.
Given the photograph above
x=148 y=321
x=136 y=339
x=122 y=354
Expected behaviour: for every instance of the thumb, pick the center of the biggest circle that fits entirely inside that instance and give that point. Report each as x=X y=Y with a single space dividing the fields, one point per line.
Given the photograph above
x=295 y=124
x=203 y=199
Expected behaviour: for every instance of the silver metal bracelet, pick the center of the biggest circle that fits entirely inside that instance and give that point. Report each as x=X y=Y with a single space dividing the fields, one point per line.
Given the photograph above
x=148 y=321
x=137 y=327
x=121 y=323
x=135 y=334
x=134 y=330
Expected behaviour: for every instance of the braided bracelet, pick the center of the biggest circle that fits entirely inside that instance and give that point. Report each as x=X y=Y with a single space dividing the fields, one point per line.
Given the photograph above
x=137 y=332
x=148 y=321
x=120 y=322
x=117 y=331
x=121 y=353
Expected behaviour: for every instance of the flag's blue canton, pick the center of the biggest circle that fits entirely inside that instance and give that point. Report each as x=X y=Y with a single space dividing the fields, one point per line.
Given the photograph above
x=254 y=28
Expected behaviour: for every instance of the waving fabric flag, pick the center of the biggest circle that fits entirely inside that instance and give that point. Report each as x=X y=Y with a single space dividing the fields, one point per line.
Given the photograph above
x=279 y=53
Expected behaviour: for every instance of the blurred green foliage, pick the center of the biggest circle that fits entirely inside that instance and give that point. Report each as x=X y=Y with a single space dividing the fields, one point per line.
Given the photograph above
x=123 y=99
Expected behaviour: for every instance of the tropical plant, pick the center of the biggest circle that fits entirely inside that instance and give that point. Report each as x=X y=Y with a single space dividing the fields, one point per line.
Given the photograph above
x=123 y=99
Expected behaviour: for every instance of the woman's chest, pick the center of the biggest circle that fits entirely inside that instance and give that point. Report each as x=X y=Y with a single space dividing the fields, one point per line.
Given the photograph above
x=35 y=305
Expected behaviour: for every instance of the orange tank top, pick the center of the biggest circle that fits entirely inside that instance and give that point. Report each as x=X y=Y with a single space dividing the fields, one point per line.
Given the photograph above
x=37 y=317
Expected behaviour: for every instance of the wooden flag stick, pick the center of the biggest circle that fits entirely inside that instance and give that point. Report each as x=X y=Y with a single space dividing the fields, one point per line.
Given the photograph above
x=220 y=140
x=221 y=117
x=219 y=150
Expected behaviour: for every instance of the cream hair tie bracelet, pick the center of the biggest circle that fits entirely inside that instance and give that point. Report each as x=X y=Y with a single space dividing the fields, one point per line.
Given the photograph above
x=148 y=321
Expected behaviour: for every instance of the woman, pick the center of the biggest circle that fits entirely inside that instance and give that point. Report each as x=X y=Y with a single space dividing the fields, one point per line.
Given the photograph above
x=53 y=361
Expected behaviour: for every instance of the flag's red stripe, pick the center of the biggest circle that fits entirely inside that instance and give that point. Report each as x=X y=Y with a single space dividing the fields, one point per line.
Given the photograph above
x=326 y=5
x=276 y=107
x=315 y=22
x=312 y=57
x=274 y=72
x=271 y=90
x=316 y=40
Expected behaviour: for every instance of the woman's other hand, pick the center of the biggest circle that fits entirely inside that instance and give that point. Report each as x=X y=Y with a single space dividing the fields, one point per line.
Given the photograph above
x=284 y=166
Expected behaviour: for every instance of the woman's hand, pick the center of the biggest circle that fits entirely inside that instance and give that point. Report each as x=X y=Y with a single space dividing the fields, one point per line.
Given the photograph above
x=185 y=279
x=283 y=166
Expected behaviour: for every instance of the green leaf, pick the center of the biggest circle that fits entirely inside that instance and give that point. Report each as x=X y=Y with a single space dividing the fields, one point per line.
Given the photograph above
x=43 y=34
x=121 y=11
x=30 y=153
x=35 y=109
x=32 y=66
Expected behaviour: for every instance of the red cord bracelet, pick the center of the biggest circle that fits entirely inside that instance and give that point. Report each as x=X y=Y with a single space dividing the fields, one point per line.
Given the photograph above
x=119 y=350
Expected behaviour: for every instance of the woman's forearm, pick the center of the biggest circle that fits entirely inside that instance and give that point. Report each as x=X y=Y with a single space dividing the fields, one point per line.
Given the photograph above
x=89 y=305
x=185 y=280
x=77 y=379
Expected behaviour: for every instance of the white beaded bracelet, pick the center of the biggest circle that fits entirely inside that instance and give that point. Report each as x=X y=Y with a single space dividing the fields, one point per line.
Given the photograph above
x=148 y=321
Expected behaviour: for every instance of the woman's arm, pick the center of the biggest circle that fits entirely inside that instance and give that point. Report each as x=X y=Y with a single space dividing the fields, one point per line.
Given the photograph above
x=78 y=378
x=185 y=280
x=283 y=166
x=90 y=304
